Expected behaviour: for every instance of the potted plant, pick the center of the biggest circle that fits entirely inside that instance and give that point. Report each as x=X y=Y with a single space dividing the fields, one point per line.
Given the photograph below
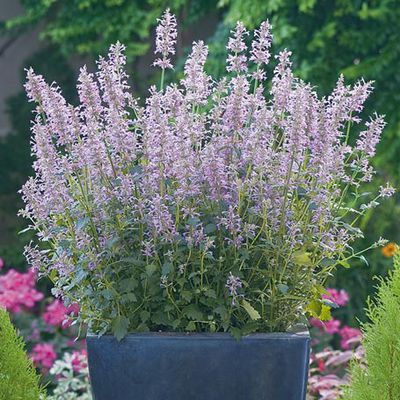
x=201 y=225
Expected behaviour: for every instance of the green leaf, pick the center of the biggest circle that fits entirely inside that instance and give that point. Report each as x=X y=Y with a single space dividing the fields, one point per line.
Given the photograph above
x=129 y=297
x=82 y=223
x=186 y=295
x=120 y=327
x=53 y=274
x=253 y=313
x=160 y=318
x=110 y=243
x=107 y=293
x=142 y=328
x=250 y=327
x=175 y=324
x=193 y=221
x=144 y=315
x=191 y=326
x=210 y=228
x=150 y=269
x=166 y=268
x=344 y=263
x=282 y=288
x=302 y=257
x=192 y=311
x=222 y=312
x=236 y=333
x=211 y=293
x=325 y=314
x=80 y=275
x=327 y=262
x=364 y=260
x=128 y=285
x=314 y=308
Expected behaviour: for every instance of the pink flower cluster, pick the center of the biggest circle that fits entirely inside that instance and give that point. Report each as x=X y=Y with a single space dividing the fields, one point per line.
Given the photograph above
x=57 y=314
x=79 y=360
x=328 y=366
x=331 y=327
x=328 y=372
x=339 y=297
x=17 y=290
x=43 y=355
x=349 y=337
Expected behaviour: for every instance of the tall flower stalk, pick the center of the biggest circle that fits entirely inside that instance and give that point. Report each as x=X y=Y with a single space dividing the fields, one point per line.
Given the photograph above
x=215 y=206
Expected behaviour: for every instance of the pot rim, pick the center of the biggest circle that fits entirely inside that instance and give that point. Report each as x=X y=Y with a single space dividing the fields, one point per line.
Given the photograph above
x=298 y=335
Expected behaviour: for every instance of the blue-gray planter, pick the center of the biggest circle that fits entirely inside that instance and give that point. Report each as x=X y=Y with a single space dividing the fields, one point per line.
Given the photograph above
x=172 y=366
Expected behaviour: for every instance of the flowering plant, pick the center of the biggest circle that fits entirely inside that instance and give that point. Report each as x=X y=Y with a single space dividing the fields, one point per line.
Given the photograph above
x=215 y=206
x=72 y=377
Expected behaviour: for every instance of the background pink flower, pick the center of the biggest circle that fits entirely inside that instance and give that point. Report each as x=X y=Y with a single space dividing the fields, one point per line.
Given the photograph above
x=1 y=263
x=350 y=336
x=43 y=355
x=17 y=290
x=57 y=314
x=79 y=360
x=339 y=297
x=332 y=326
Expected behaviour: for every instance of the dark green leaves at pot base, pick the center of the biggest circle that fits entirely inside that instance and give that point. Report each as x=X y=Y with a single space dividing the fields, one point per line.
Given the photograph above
x=120 y=327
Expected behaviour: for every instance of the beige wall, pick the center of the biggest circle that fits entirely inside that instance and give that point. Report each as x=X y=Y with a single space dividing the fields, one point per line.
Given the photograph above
x=12 y=57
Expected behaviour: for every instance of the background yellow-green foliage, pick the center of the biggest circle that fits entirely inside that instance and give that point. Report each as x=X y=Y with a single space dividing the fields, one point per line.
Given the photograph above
x=18 y=378
x=359 y=38
x=378 y=376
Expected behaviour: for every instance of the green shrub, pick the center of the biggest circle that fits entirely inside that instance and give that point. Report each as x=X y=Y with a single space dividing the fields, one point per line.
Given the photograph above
x=18 y=378
x=379 y=378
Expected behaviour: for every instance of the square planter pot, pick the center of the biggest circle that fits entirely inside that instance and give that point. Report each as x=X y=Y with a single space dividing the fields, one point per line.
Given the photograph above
x=199 y=366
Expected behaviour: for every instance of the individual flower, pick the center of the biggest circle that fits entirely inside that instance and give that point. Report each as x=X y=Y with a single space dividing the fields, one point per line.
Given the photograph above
x=260 y=49
x=43 y=355
x=390 y=250
x=339 y=297
x=196 y=81
x=370 y=137
x=386 y=191
x=237 y=60
x=349 y=337
x=17 y=290
x=233 y=283
x=166 y=34
x=1 y=263
x=321 y=365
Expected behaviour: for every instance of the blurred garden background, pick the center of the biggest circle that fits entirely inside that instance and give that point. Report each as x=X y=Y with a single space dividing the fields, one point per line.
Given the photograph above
x=356 y=38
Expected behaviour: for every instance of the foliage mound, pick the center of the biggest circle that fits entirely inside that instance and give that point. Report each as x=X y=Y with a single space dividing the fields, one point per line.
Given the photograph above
x=18 y=378
x=378 y=376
